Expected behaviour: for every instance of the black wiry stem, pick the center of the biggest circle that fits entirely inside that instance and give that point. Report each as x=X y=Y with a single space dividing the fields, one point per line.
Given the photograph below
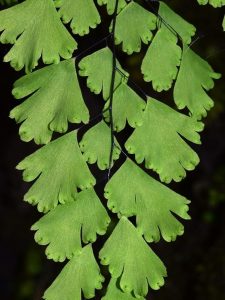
x=112 y=88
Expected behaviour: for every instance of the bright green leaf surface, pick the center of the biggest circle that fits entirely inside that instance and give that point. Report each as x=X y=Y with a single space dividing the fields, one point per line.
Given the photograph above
x=127 y=107
x=161 y=60
x=114 y=292
x=57 y=167
x=21 y=25
x=159 y=141
x=214 y=3
x=111 y=4
x=96 y=146
x=176 y=24
x=195 y=76
x=129 y=256
x=81 y=273
x=63 y=227
x=83 y=15
x=55 y=99
x=151 y=202
x=138 y=23
x=98 y=68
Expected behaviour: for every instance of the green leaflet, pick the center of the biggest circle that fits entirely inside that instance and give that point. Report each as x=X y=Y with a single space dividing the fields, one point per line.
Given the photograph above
x=127 y=107
x=175 y=23
x=63 y=227
x=194 y=77
x=129 y=256
x=224 y=23
x=63 y=183
x=160 y=64
x=114 y=293
x=111 y=4
x=150 y=201
x=163 y=148
x=57 y=169
x=96 y=146
x=97 y=67
x=214 y=3
x=54 y=100
x=21 y=24
x=83 y=15
x=138 y=23
x=81 y=273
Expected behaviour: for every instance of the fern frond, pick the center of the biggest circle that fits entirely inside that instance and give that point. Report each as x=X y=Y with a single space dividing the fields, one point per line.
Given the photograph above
x=162 y=131
x=55 y=167
x=54 y=100
x=83 y=15
x=21 y=24
x=138 y=23
x=81 y=274
x=63 y=227
x=111 y=4
x=160 y=64
x=127 y=106
x=153 y=204
x=130 y=258
x=96 y=145
x=63 y=185
x=97 y=67
x=195 y=77
x=176 y=23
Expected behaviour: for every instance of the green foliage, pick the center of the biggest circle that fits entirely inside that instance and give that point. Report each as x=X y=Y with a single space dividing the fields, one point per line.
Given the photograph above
x=132 y=259
x=62 y=157
x=160 y=65
x=83 y=15
x=192 y=82
x=158 y=136
x=91 y=146
x=111 y=5
x=147 y=199
x=81 y=273
x=21 y=24
x=63 y=227
x=114 y=292
x=138 y=29
x=127 y=107
x=214 y=3
x=97 y=67
x=184 y=30
x=164 y=128
x=54 y=89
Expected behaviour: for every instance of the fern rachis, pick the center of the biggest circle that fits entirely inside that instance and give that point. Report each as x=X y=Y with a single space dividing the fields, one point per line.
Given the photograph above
x=64 y=188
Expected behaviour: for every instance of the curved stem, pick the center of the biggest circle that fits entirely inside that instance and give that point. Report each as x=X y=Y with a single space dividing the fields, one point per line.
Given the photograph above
x=112 y=88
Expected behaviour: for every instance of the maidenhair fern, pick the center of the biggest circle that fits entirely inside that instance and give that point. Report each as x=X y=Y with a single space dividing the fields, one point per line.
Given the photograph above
x=64 y=188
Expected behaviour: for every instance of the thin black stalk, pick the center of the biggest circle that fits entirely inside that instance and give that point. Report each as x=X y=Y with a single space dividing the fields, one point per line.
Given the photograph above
x=93 y=46
x=112 y=88
x=144 y=94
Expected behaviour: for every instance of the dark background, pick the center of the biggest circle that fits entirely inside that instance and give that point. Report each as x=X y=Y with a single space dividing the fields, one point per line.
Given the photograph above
x=196 y=261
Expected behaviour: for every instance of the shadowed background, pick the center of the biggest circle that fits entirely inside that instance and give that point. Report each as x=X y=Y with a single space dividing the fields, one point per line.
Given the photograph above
x=196 y=261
